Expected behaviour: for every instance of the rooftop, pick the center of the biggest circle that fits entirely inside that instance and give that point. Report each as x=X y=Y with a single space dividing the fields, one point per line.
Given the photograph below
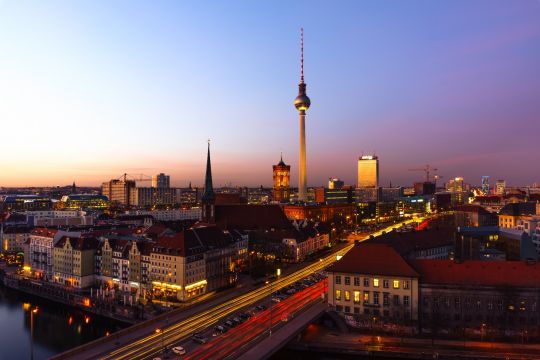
x=478 y=273
x=373 y=259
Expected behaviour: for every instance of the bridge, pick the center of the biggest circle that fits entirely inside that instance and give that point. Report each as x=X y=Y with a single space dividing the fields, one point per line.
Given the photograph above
x=142 y=341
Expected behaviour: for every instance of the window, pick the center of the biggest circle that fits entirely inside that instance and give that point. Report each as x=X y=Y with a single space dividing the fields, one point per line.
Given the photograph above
x=406 y=300
x=385 y=284
x=356 y=296
x=347 y=309
x=456 y=303
x=406 y=284
x=396 y=299
x=376 y=298
x=366 y=282
x=386 y=300
x=396 y=284
x=338 y=279
x=356 y=310
x=347 y=295
x=366 y=297
x=338 y=294
x=376 y=282
x=356 y=281
x=347 y=280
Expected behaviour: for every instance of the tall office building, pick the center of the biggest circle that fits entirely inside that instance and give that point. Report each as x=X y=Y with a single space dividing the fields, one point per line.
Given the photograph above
x=118 y=191
x=368 y=172
x=281 y=178
x=335 y=183
x=161 y=181
x=455 y=185
x=485 y=185
x=302 y=103
x=500 y=187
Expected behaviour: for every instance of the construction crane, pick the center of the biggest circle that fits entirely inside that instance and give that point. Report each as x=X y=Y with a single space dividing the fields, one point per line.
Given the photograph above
x=135 y=177
x=428 y=169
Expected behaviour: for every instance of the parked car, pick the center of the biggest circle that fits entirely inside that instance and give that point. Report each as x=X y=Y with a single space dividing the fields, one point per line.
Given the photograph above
x=198 y=338
x=276 y=299
x=229 y=323
x=178 y=350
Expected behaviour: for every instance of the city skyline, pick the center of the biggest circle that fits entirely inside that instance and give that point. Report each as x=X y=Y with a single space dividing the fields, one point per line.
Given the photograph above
x=147 y=97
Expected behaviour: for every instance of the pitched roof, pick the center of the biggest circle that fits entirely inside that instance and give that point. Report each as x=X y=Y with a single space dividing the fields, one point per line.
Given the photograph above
x=406 y=242
x=473 y=208
x=373 y=259
x=251 y=217
x=478 y=273
x=521 y=208
x=78 y=243
x=44 y=232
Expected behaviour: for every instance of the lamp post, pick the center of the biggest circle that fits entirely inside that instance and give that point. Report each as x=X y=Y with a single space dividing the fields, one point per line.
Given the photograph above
x=32 y=313
x=278 y=273
x=162 y=332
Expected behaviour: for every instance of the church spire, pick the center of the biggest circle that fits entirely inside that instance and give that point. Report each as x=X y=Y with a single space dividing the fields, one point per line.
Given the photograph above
x=208 y=194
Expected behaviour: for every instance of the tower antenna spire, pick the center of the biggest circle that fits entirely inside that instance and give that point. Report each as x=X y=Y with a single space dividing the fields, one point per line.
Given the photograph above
x=302 y=55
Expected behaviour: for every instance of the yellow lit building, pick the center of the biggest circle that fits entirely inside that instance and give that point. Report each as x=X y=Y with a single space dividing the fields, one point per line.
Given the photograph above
x=73 y=263
x=374 y=281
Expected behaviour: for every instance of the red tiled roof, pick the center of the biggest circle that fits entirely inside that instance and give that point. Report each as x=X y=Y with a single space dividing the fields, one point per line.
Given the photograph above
x=478 y=273
x=406 y=242
x=44 y=232
x=373 y=259
x=251 y=217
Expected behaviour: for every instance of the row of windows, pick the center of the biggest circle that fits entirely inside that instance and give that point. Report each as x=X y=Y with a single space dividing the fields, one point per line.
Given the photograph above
x=472 y=304
x=364 y=297
x=376 y=282
x=375 y=312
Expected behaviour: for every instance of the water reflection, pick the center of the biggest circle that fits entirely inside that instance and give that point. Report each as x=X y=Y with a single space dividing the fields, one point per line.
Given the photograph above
x=56 y=327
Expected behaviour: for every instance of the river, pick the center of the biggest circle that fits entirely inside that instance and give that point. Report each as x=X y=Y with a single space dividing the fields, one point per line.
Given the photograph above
x=57 y=327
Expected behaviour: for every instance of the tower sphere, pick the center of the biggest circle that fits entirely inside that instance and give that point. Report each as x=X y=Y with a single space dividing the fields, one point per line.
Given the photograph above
x=302 y=102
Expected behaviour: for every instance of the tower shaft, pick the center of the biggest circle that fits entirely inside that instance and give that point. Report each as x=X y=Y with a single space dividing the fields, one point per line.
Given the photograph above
x=302 y=173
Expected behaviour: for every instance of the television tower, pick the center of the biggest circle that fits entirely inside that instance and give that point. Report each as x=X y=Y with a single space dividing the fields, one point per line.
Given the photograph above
x=302 y=103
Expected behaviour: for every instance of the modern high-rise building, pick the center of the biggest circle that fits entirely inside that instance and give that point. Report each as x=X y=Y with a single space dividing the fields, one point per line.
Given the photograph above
x=281 y=178
x=161 y=181
x=335 y=183
x=368 y=172
x=485 y=185
x=500 y=187
x=118 y=191
x=302 y=103
x=455 y=185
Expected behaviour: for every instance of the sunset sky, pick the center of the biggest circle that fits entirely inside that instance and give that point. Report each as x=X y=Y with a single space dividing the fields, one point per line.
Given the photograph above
x=92 y=89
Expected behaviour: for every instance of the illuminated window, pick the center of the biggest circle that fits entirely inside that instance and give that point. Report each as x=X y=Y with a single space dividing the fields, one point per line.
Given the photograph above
x=396 y=284
x=376 y=282
x=366 y=297
x=347 y=295
x=357 y=296
x=338 y=294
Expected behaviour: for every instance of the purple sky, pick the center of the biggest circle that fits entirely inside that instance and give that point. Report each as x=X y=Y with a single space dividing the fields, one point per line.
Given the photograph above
x=90 y=90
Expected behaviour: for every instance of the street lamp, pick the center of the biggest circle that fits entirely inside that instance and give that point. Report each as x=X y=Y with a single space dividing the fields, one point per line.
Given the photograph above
x=162 y=332
x=278 y=273
x=32 y=313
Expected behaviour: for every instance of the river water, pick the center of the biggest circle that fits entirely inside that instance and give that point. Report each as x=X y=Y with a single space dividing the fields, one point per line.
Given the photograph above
x=56 y=327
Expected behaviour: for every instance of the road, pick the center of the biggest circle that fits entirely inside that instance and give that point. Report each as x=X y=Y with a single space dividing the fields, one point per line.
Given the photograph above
x=153 y=344
x=236 y=339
